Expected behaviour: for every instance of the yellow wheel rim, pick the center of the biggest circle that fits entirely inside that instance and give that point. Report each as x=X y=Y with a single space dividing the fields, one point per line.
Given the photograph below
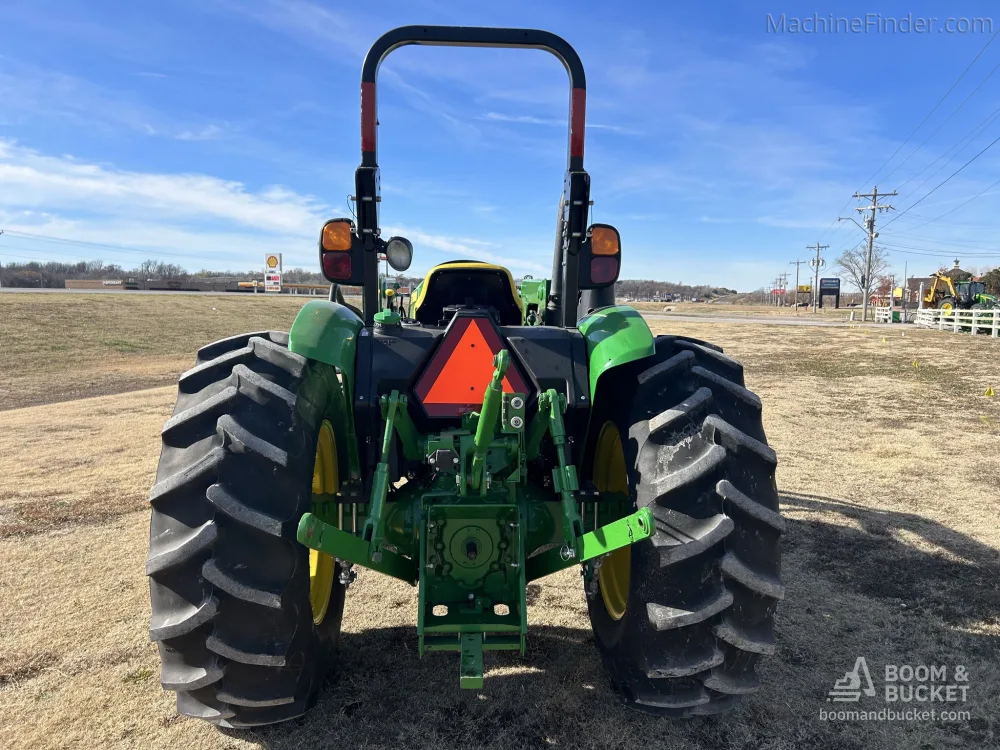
x=946 y=306
x=326 y=481
x=610 y=475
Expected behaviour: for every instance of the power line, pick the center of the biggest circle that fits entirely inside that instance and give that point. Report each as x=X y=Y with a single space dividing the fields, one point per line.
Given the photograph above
x=951 y=223
x=34 y=252
x=937 y=171
x=970 y=136
x=947 y=243
x=947 y=180
x=869 y=229
x=943 y=122
x=816 y=263
x=946 y=254
x=956 y=208
x=83 y=243
x=933 y=110
x=920 y=125
x=931 y=251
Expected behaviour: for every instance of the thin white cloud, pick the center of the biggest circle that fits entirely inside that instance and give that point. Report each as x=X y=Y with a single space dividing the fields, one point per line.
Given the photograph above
x=193 y=219
x=38 y=181
x=207 y=133
x=34 y=94
x=527 y=119
x=553 y=122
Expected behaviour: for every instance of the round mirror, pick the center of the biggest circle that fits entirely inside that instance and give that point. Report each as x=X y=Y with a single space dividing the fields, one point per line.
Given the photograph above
x=399 y=253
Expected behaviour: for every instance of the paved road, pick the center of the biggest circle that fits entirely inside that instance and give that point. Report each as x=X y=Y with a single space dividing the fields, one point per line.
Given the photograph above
x=775 y=320
x=130 y=292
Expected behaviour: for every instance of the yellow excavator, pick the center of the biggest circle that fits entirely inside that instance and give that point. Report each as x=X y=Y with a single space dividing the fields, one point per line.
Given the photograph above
x=947 y=295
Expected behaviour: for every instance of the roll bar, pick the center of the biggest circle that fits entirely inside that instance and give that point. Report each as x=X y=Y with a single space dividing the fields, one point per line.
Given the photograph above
x=562 y=306
x=472 y=36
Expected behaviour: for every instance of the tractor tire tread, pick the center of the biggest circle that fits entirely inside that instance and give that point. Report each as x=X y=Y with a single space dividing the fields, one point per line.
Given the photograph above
x=230 y=605
x=701 y=612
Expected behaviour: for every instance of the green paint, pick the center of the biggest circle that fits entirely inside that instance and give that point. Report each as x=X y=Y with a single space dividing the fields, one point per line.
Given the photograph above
x=465 y=532
x=615 y=336
x=564 y=479
x=387 y=317
x=535 y=296
x=327 y=332
x=615 y=535
x=374 y=528
x=487 y=424
x=317 y=534
x=471 y=665
x=538 y=428
x=325 y=396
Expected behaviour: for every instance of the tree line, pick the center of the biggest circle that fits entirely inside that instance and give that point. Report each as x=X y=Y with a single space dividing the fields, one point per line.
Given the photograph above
x=55 y=275
x=649 y=289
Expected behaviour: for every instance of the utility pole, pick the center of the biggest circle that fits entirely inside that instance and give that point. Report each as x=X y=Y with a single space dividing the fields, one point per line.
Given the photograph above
x=796 y=263
x=906 y=290
x=816 y=263
x=783 y=288
x=869 y=229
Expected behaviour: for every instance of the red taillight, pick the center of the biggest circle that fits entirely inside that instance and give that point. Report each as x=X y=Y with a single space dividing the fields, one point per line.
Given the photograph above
x=603 y=269
x=337 y=266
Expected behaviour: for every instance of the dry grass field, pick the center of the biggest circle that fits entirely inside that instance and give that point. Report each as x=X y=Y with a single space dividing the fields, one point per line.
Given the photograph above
x=742 y=311
x=889 y=475
x=58 y=347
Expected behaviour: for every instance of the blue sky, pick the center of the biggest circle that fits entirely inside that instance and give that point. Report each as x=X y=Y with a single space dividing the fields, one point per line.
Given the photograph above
x=208 y=132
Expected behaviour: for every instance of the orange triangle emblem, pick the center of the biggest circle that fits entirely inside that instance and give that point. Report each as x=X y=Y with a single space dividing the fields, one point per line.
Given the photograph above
x=456 y=377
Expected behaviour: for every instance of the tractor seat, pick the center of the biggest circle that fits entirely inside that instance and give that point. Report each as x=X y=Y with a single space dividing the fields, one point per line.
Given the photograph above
x=468 y=284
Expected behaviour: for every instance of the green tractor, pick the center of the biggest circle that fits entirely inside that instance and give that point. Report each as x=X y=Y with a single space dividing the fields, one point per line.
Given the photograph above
x=973 y=296
x=467 y=446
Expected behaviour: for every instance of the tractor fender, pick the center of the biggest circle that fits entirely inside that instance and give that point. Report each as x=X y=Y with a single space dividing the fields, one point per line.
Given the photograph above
x=327 y=332
x=615 y=336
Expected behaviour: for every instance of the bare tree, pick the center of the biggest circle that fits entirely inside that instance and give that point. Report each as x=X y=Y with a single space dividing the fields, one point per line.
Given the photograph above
x=851 y=264
x=147 y=269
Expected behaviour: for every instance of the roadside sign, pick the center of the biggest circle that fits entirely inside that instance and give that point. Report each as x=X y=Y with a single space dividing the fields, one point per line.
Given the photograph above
x=272 y=272
x=805 y=288
x=831 y=287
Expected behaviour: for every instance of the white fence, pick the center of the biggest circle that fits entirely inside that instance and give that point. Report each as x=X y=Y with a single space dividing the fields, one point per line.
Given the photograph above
x=894 y=315
x=961 y=321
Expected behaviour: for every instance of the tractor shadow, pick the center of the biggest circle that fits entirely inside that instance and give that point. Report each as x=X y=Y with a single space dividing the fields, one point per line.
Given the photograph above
x=894 y=586
x=903 y=558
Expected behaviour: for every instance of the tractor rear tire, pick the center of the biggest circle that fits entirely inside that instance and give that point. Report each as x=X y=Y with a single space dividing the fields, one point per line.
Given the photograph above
x=948 y=304
x=229 y=584
x=682 y=619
